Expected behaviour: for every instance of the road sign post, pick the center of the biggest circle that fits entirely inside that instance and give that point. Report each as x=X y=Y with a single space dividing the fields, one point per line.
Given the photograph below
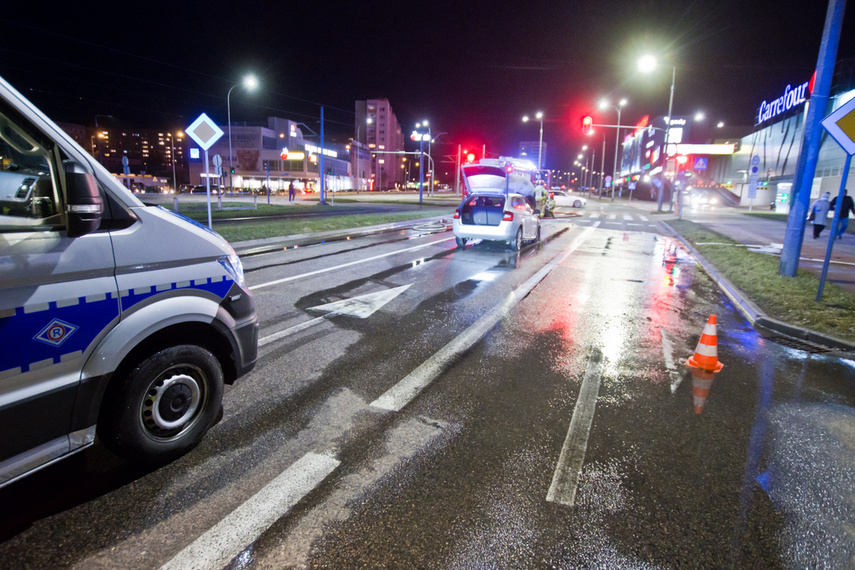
x=841 y=126
x=205 y=132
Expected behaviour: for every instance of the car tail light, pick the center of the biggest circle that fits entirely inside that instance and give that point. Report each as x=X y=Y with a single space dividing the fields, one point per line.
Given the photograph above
x=508 y=217
x=457 y=214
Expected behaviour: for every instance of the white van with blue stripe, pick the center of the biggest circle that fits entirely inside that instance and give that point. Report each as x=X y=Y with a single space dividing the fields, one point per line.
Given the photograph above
x=117 y=320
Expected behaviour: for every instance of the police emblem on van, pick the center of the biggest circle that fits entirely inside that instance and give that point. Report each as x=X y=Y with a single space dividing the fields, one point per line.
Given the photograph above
x=56 y=332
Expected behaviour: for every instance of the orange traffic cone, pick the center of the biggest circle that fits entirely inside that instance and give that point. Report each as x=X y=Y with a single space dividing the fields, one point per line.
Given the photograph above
x=706 y=353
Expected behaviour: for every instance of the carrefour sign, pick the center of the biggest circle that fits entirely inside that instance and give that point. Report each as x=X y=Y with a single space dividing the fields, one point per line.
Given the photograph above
x=792 y=97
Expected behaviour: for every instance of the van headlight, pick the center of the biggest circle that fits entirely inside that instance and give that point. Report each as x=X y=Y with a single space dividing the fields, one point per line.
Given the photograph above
x=234 y=267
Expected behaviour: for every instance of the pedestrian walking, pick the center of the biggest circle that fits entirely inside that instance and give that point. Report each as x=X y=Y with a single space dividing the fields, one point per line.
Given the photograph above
x=819 y=214
x=291 y=191
x=847 y=206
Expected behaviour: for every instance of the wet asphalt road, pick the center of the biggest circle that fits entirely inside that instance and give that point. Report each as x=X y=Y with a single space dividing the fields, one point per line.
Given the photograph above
x=312 y=466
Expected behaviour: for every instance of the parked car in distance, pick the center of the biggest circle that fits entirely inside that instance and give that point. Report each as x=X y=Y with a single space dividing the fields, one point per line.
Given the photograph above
x=567 y=200
x=493 y=216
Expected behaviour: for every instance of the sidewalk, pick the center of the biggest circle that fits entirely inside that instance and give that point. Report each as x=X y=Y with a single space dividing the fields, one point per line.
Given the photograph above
x=763 y=232
x=768 y=234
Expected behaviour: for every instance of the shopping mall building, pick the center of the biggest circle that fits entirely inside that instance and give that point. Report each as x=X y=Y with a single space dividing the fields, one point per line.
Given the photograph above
x=756 y=166
x=274 y=156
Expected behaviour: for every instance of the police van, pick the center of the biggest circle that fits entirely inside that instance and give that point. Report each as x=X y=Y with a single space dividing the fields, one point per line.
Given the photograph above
x=117 y=320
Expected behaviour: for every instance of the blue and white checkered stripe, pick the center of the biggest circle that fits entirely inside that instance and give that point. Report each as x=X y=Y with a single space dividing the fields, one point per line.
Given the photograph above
x=41 y=335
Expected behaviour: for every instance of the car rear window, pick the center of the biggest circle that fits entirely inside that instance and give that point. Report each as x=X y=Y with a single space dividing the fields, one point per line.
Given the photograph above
x=483 y=210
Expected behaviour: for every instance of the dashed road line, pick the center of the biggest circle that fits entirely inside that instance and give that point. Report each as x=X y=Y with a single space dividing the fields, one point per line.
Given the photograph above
x=565 y=480
x=240 y=528
x=402 y=393
x=350 y=264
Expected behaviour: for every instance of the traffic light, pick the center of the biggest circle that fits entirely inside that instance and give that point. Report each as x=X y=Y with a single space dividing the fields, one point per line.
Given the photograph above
x=587 y=123
x=233 y=170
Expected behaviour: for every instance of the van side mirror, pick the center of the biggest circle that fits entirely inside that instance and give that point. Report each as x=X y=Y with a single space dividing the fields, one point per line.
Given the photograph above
x=83 y=200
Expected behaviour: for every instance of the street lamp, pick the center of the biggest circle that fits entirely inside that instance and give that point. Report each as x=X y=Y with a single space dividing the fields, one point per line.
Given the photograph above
x=538 y=116
x=603 y=105
x=421 y=137
x=368 y=121
x=585 y=167
x=432 y=173
x=647 y=64
x=250 y=82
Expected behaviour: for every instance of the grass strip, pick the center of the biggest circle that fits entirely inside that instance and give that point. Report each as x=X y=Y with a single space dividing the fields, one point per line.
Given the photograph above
x=286 y=227
x=789 y=299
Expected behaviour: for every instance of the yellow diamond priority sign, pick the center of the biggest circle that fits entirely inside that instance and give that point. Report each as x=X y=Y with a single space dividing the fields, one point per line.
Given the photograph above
x=841 y=126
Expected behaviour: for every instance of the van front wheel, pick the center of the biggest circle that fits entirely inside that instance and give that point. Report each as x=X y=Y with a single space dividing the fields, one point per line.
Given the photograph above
x=162 y=408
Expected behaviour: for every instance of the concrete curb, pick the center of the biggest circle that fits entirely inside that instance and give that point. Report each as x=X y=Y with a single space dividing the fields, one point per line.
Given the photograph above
x=754 y=314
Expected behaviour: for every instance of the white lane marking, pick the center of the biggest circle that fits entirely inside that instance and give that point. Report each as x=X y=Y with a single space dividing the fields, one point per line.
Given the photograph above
x=565 y=480
x=350 y=264
x=627 y=217
x=612 y=216
x=644 y=218
x=401 y=444
x=240 y=528
x=399 y=395
x=594 y=216
x=361 y=307
x=292 y=330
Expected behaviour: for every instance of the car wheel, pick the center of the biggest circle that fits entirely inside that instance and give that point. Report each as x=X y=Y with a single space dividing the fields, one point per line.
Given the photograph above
x=461 y=242
x=517 y=244
x=577 y=204
x=537 y=235
x=162 y=408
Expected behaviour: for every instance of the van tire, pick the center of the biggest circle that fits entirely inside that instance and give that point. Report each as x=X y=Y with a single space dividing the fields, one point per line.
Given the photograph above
x=461 y=242
x=162 y=408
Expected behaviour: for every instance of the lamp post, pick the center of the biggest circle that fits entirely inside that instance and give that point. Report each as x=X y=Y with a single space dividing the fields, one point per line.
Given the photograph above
x=603 y=105
x=432 y=171
x=538 y=116
x=647 y=64
x=368 y=121
x=172 y=143
x=250 y=83
x=417 y=135
x=421 y=138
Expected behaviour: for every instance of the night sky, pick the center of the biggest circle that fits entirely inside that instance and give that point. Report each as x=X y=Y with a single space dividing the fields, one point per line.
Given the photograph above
x=472 y=68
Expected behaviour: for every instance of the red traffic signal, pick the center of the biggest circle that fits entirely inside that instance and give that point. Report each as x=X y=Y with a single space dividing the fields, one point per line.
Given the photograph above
x=587 y=123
